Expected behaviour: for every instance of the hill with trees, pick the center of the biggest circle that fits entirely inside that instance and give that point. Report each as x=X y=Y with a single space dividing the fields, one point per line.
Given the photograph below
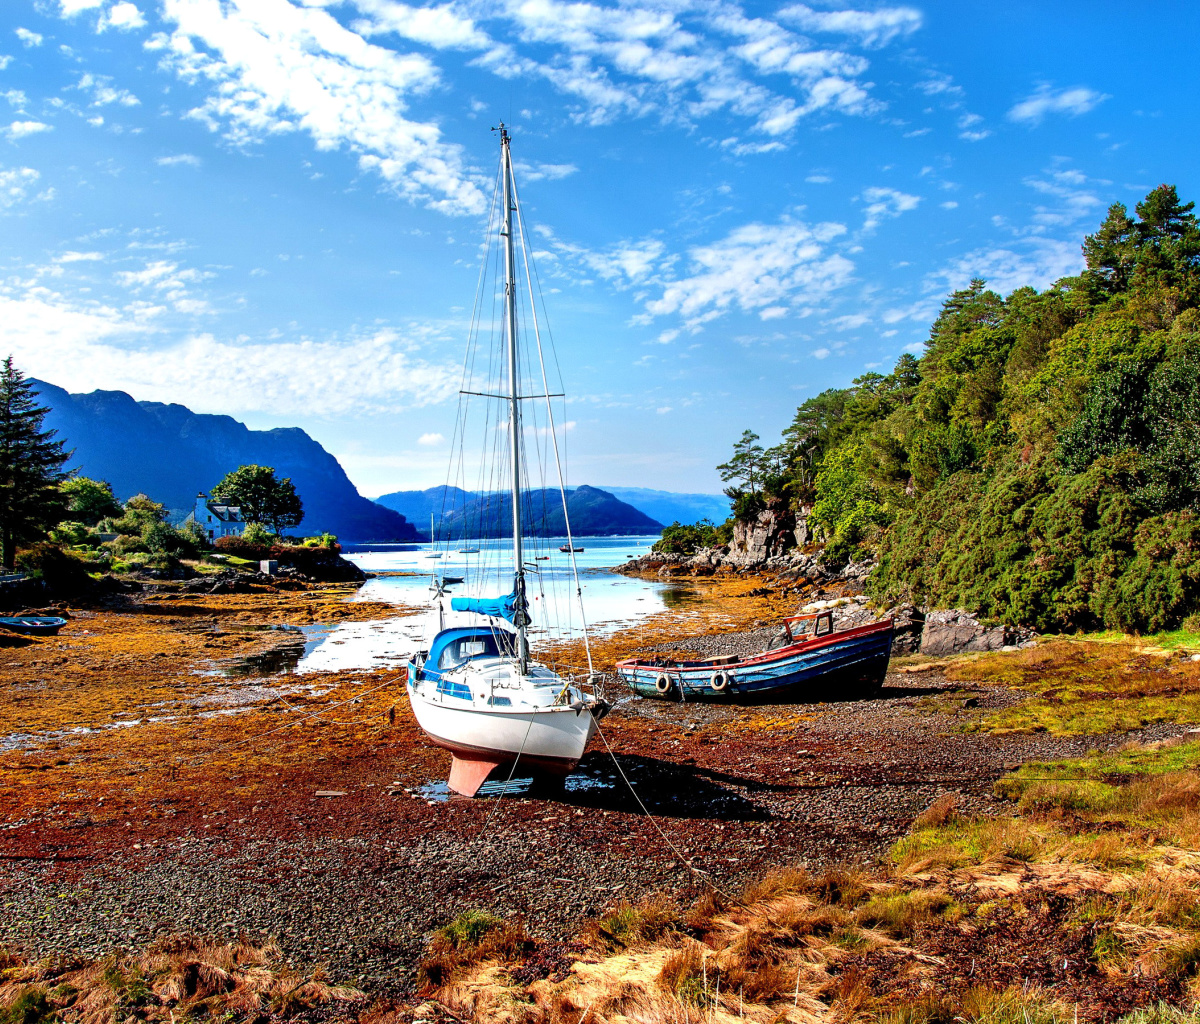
x=1040 y=462
x=462 y=514
x=170 y=453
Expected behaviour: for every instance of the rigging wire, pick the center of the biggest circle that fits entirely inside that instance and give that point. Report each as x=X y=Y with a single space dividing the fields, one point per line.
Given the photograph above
x=553 y=431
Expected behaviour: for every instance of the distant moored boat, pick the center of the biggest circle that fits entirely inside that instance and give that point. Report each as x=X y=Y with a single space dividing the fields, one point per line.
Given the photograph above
x=35 y=625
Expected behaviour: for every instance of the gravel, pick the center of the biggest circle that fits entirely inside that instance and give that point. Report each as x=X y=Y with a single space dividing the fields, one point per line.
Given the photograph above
x=359 y=882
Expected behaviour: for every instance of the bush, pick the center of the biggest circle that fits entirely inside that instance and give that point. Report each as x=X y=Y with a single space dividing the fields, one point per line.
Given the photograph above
x=678 y=539
x=162 y=538
x=60 y=571
x=256 y=533
x=127 y=544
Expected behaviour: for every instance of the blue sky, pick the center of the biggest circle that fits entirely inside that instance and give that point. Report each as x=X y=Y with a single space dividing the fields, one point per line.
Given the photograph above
x=273 y=208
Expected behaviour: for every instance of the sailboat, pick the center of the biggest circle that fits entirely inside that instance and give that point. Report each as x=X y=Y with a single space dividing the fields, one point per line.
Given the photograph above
x=475 y=689
x=432 y=539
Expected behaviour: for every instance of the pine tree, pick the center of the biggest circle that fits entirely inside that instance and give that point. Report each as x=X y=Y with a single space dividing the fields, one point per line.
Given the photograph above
x=31 y=466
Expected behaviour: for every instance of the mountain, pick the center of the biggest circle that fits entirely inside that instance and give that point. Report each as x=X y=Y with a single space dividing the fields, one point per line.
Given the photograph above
x=418 y=506
x=669 y=507
x=171 y=453
x=466 y=514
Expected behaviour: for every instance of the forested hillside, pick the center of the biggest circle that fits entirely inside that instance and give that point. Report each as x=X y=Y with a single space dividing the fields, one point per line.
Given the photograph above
x=1040 y=463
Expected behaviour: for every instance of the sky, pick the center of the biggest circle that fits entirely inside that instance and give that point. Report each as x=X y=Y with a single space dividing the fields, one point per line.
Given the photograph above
x=274 y=209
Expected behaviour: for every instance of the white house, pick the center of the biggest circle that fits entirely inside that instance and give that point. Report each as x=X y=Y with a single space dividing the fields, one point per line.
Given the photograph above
x=215 y=519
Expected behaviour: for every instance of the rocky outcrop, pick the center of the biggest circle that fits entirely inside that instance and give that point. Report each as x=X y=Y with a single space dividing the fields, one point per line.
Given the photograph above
x=956 y=631
x=768 y=535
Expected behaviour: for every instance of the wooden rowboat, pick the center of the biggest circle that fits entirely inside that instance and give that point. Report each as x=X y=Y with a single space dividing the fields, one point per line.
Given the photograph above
x=821 y=663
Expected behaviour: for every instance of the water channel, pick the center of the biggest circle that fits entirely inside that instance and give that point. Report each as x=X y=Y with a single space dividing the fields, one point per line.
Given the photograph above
x=404 y=575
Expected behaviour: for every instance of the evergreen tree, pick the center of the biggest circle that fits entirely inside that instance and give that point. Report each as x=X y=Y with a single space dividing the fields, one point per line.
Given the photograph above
x=31 y=466
x=261 y=497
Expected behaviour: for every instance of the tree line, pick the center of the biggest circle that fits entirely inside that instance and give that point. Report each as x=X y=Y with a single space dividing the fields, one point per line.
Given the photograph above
x=1039 y=462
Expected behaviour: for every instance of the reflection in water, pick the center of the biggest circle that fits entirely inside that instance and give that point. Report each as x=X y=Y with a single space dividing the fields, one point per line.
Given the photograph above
x=439 y=792
x=612 y=602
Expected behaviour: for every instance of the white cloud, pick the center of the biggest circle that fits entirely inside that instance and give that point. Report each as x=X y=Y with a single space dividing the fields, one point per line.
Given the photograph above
x=5 y=60
x=850 y=322
x=939 y=84
x=441 y=27
x=821 y=353
x=1075 y=199
x=818 y=179
x=29 y=38
x=123 y=16
x=885 y=203
x=103 y=93
x=168 y=282
x=79 y=257
x=430 y=440
x=539 y=172
x=1072 y=102
x=274 y=68
x=755 y=268
x=179 y=159
x=21 y=129
x=1035 y=261
x=949 y=204
x=16 y=184
x=69 y=8
x=86 y=346
x=871 y=28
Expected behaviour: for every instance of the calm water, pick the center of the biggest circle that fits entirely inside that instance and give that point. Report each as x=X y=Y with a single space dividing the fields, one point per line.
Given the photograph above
x=610 y=601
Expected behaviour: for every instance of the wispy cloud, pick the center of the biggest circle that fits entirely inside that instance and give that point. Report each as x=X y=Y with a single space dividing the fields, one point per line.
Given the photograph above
x=16 y=185
x=104 y=93
x=22 y=129
x=757 y=268
x=178 y=160
x=885 y=204
x=29 y=38
x=280 y=68
x=1072 y=102
x=871 y=28
x=82 y=346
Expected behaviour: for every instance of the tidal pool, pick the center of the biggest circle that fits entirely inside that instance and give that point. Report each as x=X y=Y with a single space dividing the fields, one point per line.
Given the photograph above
x=406 y=574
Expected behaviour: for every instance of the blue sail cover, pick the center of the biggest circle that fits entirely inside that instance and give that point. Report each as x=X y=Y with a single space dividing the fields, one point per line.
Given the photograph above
x=502 y=607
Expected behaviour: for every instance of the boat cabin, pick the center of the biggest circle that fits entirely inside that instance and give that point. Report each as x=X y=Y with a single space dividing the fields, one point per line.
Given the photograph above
x=453 y=648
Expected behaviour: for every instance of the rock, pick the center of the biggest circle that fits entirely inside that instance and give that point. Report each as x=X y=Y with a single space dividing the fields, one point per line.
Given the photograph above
x=955 y=631
x=769 y=534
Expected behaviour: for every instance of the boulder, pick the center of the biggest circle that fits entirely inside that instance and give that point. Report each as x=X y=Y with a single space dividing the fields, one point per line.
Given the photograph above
x=955 y=631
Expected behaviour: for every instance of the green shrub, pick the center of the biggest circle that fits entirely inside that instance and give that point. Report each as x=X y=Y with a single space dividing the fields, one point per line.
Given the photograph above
x=678 y=539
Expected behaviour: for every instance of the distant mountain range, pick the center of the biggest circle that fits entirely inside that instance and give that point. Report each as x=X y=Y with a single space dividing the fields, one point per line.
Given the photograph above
x=171 y=453
x=668 y=507
x=462 y=514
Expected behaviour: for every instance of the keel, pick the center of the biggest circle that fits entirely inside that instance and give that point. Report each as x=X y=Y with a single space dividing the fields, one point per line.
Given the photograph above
x=467 y=774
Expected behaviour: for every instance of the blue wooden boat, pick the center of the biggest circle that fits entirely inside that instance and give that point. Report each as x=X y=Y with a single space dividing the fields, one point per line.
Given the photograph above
x=35 y=625
x=817 y=662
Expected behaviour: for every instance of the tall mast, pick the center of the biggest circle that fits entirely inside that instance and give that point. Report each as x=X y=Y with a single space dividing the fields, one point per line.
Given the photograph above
x=520 y=617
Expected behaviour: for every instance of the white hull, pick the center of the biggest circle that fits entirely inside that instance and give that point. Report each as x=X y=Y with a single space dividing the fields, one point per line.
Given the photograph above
x=550 y=738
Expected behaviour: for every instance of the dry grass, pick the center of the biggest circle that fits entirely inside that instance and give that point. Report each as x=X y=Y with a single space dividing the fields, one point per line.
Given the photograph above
x=178 y=978
x=1086 y=686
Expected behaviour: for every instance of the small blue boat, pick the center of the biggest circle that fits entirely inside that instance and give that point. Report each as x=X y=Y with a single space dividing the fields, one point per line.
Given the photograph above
x=35 y=625
x=819 y=664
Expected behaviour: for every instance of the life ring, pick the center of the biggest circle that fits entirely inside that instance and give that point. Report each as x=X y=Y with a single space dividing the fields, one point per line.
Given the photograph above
x=719 y=681
x=663 y=683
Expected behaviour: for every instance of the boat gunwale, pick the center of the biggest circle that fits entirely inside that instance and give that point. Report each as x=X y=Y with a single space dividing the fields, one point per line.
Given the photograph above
x=767 y=657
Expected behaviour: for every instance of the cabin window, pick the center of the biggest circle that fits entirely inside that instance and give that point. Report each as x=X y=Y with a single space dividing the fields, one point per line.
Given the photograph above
x=461 y=651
